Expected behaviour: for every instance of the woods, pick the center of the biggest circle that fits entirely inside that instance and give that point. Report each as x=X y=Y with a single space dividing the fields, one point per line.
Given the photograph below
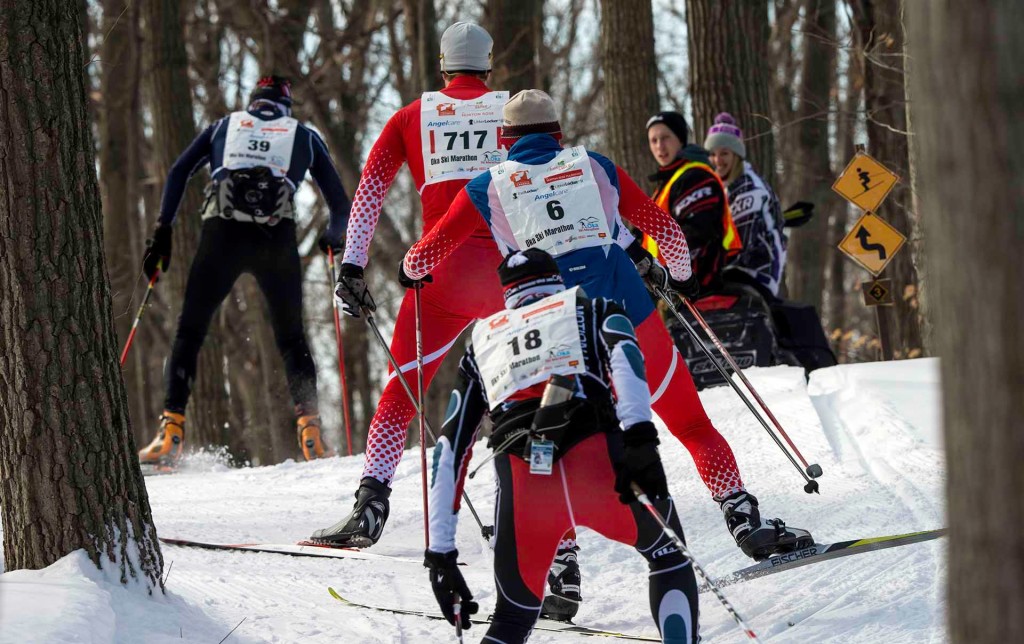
x=100 y=100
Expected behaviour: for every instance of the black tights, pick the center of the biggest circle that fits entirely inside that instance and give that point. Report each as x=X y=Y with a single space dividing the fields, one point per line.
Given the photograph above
x=227 y=249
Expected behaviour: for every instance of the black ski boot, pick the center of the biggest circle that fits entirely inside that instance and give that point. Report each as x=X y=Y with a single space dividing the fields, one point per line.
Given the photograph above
x=564 y=581
x=363 y=527
x=760 y=539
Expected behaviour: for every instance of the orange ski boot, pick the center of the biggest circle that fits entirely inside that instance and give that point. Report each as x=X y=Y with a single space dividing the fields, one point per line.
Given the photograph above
x=308 y=429
x=165 y=450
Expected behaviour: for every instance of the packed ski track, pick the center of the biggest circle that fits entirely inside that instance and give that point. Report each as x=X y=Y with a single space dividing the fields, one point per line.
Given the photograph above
x=873 y=428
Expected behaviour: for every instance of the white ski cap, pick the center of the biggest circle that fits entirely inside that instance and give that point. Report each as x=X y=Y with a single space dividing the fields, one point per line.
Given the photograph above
x=466 y=46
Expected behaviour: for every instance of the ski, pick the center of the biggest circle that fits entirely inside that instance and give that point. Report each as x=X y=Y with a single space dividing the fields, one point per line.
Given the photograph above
x=823 y=552
x=300 y=549
x=157 y=470
x=542 y=625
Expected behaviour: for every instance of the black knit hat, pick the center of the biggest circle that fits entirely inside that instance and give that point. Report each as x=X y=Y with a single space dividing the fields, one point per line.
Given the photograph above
x=673 y=121
x=528 y=268
x=273 y=88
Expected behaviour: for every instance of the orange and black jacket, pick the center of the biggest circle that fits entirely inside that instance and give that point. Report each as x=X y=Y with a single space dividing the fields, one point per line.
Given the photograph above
x=697 y=200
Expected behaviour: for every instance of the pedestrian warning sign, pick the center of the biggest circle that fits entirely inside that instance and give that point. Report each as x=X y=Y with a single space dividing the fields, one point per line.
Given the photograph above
x=865 y=182
x=872 y=243
x=877 y=292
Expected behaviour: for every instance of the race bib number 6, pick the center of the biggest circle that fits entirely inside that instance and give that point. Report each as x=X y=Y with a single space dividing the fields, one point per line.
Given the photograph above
x=518 y=348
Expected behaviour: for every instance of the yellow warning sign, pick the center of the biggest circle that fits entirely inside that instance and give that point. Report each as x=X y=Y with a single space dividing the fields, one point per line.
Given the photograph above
x=865 y=182
x=872 y=243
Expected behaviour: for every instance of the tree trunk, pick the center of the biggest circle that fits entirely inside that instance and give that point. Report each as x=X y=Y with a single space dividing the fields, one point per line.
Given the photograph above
x=728 y=50
x=70 y=478
x=517 y=27
x=969 y=119
x=809 y=171
x=881 y=32
x=173 y=130
x=421 y=30
x=837 y=317
x=631 y=82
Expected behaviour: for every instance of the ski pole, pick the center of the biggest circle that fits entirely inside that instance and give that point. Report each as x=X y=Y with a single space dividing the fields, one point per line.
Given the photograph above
x=138 y=316
x=423 y=428
x=813 y=470
x=811 y=485
x=341 y=355
x=457 y=611
x=671 y=534
x=484 y=530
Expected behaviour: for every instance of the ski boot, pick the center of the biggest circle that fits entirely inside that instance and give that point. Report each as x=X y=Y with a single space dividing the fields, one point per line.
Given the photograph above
x=165 y=450
x=756 y=538
x=363 y=527
x=308 y=430
x=564 y=582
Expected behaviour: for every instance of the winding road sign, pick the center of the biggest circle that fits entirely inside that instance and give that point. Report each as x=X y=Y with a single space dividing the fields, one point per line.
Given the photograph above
x=872 y=243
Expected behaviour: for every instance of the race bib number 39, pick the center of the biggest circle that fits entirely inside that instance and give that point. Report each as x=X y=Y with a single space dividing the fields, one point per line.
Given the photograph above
x=253 y=142
x=518 y=348
x=555 y=207
x=460 y=137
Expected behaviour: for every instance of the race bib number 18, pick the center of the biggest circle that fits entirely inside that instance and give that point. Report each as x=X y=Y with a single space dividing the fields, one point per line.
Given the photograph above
x=460 y=137
x=519 y=348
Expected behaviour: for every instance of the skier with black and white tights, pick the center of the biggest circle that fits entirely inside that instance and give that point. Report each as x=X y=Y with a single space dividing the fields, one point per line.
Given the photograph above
x=562 y=378
x=257 y=159
x=596 y=252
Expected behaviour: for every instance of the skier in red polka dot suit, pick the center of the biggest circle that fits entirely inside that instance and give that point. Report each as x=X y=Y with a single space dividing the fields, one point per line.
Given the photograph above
x=446 y=138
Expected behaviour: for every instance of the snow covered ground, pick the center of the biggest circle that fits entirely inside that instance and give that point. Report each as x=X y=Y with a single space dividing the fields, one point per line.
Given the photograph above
x=874 y=429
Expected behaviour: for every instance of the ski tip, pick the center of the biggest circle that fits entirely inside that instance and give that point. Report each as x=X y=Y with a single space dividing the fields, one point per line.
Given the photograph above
x=335 y=595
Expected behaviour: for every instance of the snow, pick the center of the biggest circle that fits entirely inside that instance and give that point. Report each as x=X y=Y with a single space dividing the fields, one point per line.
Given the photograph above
x=874 y=429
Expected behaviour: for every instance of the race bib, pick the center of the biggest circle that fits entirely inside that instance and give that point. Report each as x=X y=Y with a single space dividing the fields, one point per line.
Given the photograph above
x=518 y=348
x=460 y=137
x=555 y=207
x=253 y=142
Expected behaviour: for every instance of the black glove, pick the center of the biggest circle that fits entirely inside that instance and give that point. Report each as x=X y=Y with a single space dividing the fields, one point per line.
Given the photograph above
x=351 y=293
x=328 y=240
x=641 y=464
x=447 y=581
x=689 y=288
x=408 y=282
x=157 y=255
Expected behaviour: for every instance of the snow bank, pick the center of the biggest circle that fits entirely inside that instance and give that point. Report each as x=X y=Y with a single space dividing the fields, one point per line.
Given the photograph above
x=873 y=428
x=73 y=601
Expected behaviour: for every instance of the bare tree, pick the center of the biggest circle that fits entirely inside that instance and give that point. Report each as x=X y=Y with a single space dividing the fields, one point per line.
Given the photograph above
x=173 y=130
x=728 y=49
x=631 y=80
x=518 y=32
x=69 y=475
x=969 y=105
x=809 y=173
x=881 y=32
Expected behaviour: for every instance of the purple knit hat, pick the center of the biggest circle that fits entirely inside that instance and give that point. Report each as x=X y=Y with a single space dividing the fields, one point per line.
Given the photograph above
x=726 y=134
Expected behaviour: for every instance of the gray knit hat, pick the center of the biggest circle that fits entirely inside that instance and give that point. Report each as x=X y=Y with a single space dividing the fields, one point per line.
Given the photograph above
x=726 y=134
x=531 y=111
x=466 y=47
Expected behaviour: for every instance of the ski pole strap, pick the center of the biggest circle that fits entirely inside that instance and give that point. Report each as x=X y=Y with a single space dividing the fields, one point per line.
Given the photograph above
x=671 y=534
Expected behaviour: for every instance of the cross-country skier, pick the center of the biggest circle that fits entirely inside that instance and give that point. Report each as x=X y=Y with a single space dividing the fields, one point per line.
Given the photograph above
x=690 y=191
x=755 y=211
x=568 y=202
x=257 y=160
x=446 y=138
x=565 y=464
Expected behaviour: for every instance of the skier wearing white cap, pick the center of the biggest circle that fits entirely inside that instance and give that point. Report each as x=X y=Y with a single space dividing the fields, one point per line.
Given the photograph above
x=446 y=138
